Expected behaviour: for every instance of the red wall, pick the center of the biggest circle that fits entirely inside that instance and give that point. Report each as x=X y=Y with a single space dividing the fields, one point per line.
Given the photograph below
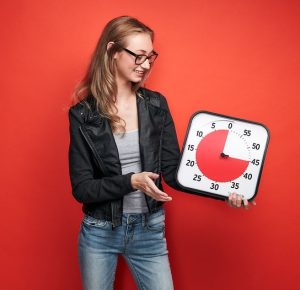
x=239 y=58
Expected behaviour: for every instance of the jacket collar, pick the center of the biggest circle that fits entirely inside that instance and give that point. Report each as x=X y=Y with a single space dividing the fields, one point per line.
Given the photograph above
x=150 y=122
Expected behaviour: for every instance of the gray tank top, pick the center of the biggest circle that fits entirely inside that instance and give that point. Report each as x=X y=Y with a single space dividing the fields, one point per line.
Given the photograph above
x=129 y=154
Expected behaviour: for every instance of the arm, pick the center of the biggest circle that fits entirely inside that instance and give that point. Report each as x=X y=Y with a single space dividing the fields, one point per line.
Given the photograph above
x=170 y=149
x=171 y=153
x=87 y=186
x=170 y=160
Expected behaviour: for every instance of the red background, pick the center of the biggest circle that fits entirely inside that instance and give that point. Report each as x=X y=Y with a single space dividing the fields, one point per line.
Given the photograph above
x=239 y=58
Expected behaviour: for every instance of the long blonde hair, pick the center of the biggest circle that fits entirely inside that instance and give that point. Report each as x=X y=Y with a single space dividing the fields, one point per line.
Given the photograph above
x=99 y=80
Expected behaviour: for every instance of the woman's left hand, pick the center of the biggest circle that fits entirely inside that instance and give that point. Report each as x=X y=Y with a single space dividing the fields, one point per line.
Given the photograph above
x=237 y=200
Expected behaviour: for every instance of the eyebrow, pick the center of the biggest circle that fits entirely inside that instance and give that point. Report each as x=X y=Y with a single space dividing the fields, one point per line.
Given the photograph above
x=144 y=51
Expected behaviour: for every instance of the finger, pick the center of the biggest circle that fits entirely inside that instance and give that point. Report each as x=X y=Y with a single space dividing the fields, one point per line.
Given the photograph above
x=163 y=197
x=238 y=200
x=154 y=188
x=167 y=198
x=253 y=202
x=158 y=196
x=246 y=204
x=152 y=175
x=229 y=200
x=233 y=201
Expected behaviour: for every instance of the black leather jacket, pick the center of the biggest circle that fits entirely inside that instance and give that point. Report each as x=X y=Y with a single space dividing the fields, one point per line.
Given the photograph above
x=94 y=163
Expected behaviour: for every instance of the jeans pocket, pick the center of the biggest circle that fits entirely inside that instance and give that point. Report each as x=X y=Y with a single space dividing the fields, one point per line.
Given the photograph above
x=156 y=221
x=93 y=222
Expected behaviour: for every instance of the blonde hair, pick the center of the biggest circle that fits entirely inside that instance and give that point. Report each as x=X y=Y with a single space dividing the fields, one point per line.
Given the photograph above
x=99 y=80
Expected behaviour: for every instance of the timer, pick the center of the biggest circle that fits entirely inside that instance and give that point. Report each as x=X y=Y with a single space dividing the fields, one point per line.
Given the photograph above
x=221 y=155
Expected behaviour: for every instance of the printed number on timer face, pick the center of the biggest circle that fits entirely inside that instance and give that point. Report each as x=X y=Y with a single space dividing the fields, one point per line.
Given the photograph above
x=222 y=154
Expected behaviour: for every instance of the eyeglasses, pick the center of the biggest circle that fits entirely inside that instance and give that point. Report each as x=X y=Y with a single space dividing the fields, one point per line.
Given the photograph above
x=141 y=58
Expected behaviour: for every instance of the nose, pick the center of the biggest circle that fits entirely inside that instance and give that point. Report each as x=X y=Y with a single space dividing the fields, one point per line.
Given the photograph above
x=146 y=64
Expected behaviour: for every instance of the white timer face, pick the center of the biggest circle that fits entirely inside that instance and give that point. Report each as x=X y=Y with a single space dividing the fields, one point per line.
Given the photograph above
x=222 y=154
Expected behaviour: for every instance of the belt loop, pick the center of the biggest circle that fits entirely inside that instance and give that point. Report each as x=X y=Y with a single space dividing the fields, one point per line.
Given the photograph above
x=143 y=220
x=128 y=219
x=146 y=219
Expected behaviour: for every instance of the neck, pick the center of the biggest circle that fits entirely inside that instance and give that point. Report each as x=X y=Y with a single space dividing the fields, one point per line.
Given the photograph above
x=124 y=89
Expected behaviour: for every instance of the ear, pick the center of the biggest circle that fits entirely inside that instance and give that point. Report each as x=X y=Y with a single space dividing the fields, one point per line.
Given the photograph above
x=109 y=45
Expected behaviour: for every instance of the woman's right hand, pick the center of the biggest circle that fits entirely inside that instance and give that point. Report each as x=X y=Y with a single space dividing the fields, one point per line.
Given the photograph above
x=144 y=182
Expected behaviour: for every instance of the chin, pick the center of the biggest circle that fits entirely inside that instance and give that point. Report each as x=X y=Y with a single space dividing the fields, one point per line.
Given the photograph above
x=137 y=80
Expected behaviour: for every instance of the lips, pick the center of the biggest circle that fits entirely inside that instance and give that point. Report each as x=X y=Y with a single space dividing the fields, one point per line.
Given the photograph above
x=139 y=72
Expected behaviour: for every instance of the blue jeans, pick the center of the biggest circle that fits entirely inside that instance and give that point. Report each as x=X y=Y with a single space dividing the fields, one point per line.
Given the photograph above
x=140 y=239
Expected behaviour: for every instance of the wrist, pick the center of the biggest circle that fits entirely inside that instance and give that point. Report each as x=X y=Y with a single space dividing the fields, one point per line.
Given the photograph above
x=133 y=180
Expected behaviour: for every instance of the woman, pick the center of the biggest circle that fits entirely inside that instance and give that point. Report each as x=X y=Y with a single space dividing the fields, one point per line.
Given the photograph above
x=122 y=142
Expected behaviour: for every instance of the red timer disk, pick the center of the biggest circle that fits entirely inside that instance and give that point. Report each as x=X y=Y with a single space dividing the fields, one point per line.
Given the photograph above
x=222 y=154
x=213 y=163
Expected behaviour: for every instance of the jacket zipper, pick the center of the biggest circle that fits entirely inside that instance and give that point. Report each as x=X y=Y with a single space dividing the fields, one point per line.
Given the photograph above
x=142 y=163
x=112 y=215
x=98 y=159
x=160 y=147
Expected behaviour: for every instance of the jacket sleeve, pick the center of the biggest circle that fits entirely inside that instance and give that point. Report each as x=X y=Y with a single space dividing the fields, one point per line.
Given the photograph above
x=87 y=188
x=170 y=149
x=171 y=152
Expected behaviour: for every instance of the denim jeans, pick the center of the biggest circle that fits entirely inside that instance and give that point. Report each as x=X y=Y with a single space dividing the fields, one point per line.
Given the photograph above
x=140 y=239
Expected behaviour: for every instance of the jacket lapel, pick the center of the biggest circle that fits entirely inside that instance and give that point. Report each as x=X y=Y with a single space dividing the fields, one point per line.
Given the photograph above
x=103 y=140
x=150 y=119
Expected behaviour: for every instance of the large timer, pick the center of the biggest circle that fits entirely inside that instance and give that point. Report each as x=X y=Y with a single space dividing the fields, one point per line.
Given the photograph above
x=222 y=154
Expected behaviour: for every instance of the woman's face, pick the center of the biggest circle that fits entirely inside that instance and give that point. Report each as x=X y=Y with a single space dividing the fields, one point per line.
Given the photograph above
x=126 y=69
